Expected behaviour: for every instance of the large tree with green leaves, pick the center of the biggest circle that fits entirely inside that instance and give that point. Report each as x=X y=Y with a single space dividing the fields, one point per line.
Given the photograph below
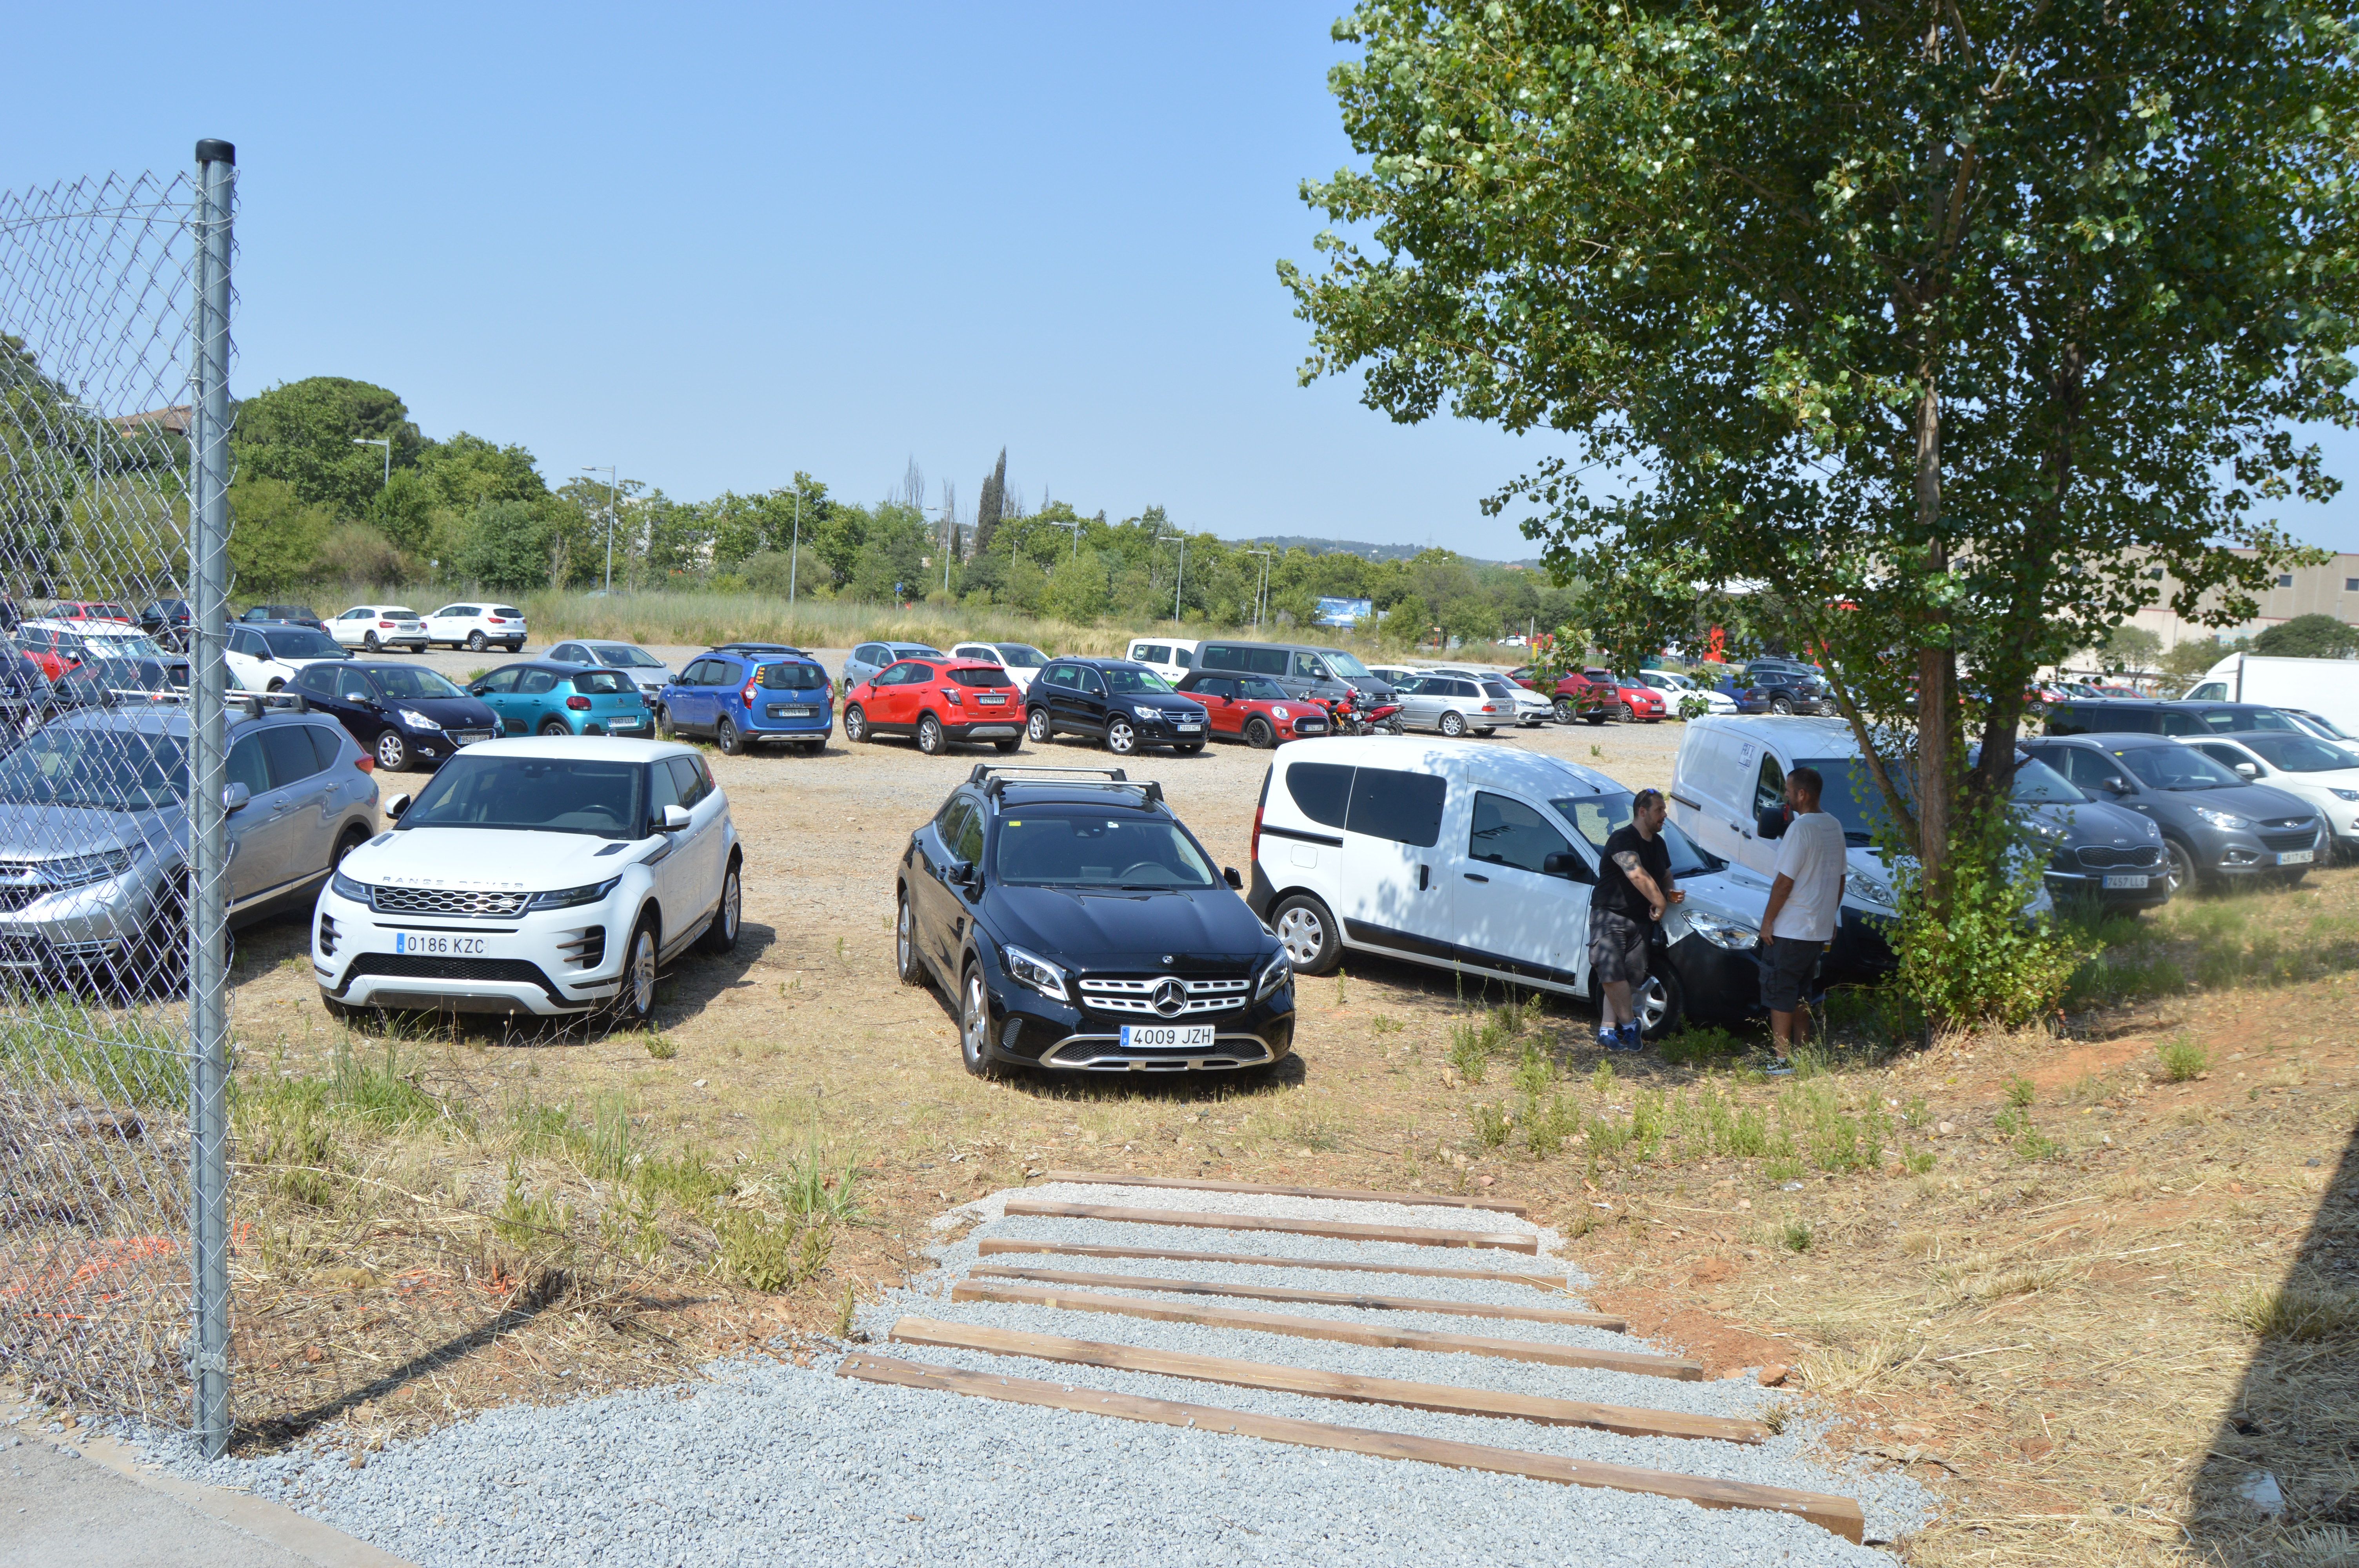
x=1945 y=322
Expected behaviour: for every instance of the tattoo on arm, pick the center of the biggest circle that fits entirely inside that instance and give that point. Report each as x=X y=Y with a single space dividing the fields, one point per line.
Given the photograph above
x=1628 y=860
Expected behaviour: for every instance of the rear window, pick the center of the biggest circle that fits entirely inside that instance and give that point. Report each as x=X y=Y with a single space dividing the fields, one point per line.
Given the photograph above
x=790 y=677
x=507 y=611
x=603 y=683
x=1403 y=807
x=991 y=677
x=1322 y=791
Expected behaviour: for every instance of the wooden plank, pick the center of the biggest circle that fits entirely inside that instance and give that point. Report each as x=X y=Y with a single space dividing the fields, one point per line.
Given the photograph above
x=1321 y=1298
x=1630 y=1420
x=1338 y=1329
x=1341 y=1194
x=1344 y=1230
x=990 y=1245
x=1840 y=1514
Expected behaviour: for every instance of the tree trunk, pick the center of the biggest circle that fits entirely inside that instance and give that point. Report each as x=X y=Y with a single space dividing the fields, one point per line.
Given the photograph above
x=1937 y=664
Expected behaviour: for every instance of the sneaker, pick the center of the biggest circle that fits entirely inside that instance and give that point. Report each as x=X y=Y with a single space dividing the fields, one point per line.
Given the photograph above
x=1776 y=1067
x=1609 y=1037
x=1629 y=1037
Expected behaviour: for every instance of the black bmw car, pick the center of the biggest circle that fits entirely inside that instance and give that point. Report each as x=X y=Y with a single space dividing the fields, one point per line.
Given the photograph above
x=1080 y=925
x=404 y=715
x=1125 y=704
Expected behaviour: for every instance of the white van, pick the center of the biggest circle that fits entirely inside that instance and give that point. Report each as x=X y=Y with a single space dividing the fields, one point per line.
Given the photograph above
x=1482 y=861
x=2329 y=686
x=1170 y=657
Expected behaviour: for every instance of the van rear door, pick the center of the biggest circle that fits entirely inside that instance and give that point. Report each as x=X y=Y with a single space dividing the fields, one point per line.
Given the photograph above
x=1395 y=891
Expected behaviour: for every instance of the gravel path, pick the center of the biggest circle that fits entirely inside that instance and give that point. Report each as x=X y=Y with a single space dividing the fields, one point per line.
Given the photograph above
x=762 y=1462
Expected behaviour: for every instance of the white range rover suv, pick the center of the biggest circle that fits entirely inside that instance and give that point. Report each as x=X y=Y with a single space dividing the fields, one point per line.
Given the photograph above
x=551 y=876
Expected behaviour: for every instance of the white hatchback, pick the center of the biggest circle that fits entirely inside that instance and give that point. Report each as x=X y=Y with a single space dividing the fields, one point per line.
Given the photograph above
x=476 y=626
x=1022 y=661
x=548 y=876
x=379 y=626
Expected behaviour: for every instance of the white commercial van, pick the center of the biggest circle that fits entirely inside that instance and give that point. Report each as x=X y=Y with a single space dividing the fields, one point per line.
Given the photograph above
x=1170 y=657
x=1482 y=861
x=2327 y=686
x=1733 y=768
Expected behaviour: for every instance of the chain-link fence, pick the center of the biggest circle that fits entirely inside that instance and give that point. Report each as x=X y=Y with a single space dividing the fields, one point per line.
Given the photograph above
x=114 y=302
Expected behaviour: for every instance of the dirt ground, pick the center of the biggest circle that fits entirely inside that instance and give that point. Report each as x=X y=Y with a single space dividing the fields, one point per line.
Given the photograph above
x=2084 y=1302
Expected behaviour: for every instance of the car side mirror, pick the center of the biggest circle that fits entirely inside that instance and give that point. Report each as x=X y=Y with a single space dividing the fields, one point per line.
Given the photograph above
x=1565 y=863
x=2247 y=770
x=675 y=818
x=1229 y=875
x=234 y=797
x=396 y=806
x=2114 y=784
x=1771 y=824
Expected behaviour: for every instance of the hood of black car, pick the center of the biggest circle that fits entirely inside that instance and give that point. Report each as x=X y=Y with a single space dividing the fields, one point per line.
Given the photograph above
x=2095 y=822
x=451 y=712
x=1203 y=929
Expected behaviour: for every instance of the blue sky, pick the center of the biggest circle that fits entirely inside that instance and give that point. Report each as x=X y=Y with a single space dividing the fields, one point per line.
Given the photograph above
x=714 y=244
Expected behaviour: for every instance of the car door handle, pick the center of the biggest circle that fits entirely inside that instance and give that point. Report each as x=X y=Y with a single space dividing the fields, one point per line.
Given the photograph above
x=1424 y=877
x=1473 y=878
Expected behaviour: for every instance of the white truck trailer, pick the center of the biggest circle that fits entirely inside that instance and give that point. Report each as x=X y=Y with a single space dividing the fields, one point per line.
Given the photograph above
x=2326 y=687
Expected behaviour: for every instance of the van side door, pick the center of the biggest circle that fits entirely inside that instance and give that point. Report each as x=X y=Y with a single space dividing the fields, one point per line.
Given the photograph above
x=1397 y=891
x=1512 y=915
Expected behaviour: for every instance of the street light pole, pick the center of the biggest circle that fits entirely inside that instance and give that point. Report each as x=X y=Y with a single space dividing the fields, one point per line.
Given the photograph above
x=1182 y=581
x=386 y=443
x=795 y=550
x=949 y=534
x=611 y=485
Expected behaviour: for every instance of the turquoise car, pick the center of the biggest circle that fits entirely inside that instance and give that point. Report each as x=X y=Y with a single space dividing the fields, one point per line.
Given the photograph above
x=542 y=697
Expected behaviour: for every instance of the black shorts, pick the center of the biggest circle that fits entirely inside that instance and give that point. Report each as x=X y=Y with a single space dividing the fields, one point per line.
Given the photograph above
x=1787 y=970
x=1617 y=949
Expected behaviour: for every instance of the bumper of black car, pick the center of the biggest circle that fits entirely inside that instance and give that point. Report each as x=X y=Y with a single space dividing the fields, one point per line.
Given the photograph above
x=1720 y=985
x=2154 y=892
x=1037 y=1030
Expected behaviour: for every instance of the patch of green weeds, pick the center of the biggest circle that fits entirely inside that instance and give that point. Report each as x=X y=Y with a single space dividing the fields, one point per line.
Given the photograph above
x=1492 y=1125
x=1794 y=1236
x=2021 y=1091
x=1702 y=1046
x=661 y=1048
x=2181 y=1059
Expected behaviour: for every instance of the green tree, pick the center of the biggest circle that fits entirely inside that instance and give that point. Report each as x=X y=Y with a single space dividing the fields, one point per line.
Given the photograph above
x=1077 y=588
x=504 y=547
x=2308 y=637
x=1405 y=625
x=467 y=470
x=1944 y=324
x=2191 y=656
x=274 y=536
x=2129 y=647
x=304 y=432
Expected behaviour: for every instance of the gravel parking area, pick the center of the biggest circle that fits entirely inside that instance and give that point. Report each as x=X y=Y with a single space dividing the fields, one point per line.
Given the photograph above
x=779 y=1461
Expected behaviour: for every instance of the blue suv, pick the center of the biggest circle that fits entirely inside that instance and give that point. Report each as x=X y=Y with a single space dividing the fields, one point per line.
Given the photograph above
x=740 y=696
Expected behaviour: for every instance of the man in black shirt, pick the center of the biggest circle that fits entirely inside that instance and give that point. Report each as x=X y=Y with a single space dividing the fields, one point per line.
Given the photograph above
x=1634 y=888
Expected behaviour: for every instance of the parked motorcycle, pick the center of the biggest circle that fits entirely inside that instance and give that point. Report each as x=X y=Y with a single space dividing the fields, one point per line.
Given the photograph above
x=1354 y=715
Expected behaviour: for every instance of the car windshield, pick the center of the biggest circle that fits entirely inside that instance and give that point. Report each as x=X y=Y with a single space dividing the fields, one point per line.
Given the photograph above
x=790 y=677
x=123 y=648
x=2174 y=768
x=403 y=680
x=1596 y=816
x=1124 y=680
x=1259 y=688
x=1849 y=796
x=549 y=794
x=301 y=642
x=107 y=770
x=2299 y=753
x=2036 y=784
x=623 y=656
x=1344 y=665
x=1021 y=656
x=1073 y=849
x=604 y=682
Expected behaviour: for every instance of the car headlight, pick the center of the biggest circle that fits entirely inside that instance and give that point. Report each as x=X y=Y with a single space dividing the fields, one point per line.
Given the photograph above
x=1722 y=932
x=1026 y=968
x=1150 y=714
x=2346 y=794
x=416 y=719
x=80 y=870
x=1872 y=889
x=567 y=898
x=1279 y=972
x=2223 y=819
x=344 y=886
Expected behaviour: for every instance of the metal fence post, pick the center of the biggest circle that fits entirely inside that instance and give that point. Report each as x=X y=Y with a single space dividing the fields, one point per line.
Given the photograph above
x=207 y=895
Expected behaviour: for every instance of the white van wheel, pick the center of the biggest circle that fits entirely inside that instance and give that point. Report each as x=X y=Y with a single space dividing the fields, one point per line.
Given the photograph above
x=1308 y=933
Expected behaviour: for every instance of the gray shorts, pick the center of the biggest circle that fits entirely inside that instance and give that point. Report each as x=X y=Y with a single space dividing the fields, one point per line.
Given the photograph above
x=1786 y=971
x=1617 y=949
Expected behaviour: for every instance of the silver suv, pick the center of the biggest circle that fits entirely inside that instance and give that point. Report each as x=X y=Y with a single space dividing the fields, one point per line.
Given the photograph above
x=94 y=834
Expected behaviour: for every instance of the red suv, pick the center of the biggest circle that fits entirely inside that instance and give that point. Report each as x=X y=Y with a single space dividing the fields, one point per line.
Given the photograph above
x=1575 y=695
x=940 y=702
x=1626 y=699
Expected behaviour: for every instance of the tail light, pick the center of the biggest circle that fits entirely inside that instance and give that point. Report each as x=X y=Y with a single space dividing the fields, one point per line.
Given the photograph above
x=951 y=693
x=365 y=763
x=1490 y=708
x=579 y=704
x=386 y=625
x=1253 y=853
x=746 y=696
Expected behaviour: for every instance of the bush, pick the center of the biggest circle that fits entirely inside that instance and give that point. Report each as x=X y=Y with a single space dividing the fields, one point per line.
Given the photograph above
x=2182 y=1060
x=1972 y=958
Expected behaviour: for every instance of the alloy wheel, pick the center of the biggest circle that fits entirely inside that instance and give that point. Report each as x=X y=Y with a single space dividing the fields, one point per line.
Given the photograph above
x=929 y=736
x=1565 y=710
x=1303 y=933
x=474 y=642
x=2182 y=867
x=1779 y=705
x=855 y=724
x=1622 y=714
x=975 y=1024
x=642 y=976
x=724 y=735
x=1452 y=724
x=1037 y=726
x=372 y=644
x=392 y=751
x=1121 y=739
x=1257 y=734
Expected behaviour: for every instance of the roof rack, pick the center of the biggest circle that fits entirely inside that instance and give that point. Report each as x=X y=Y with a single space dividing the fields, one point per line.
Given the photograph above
x=995 y=779
x=256 y=703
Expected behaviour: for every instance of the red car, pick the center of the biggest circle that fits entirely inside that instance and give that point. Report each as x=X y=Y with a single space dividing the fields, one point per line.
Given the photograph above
x=940 y=702
x=1253 y=708
x=1628 y=699
x=53 y=648
x=1575 y=695
x=91 y=610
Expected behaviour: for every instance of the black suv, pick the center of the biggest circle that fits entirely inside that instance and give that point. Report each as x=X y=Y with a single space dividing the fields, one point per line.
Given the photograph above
x=2136 y=717
x=1081 y=926
x=1788 y=687
x=167 y=620
x=1125 y=704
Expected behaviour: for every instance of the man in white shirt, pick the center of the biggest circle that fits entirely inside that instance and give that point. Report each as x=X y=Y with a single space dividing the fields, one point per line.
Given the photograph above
x=1805 y=903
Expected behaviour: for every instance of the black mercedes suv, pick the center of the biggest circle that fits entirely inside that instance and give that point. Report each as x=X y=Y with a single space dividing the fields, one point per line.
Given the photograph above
x=1124 y=704
x=1081 y=926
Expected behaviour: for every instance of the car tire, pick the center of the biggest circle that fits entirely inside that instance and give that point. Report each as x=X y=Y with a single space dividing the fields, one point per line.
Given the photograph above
x=555 y=727
x=1121 y=737
x=2184 y=877
x=515 y=647
x=931 y=738
x=155 y=962
x=1394 y=726
x=475 y=643
x=855 y=725
x=276 y=685
x=634 y=1004
x=720 y=938
x=1780 y=707
x=369 y=641
x=1259 y=735
x=724 y=735
x=1660 y=1003
x=1008 y=747
x=1453 y=725
x=1597 y=718
x=1037 y=725
x=975 y=1025
x=1307 y=930
x=1567 y=710
x=664 y=731
x=392 y=751
x=1622 y=714
x=906 y=961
